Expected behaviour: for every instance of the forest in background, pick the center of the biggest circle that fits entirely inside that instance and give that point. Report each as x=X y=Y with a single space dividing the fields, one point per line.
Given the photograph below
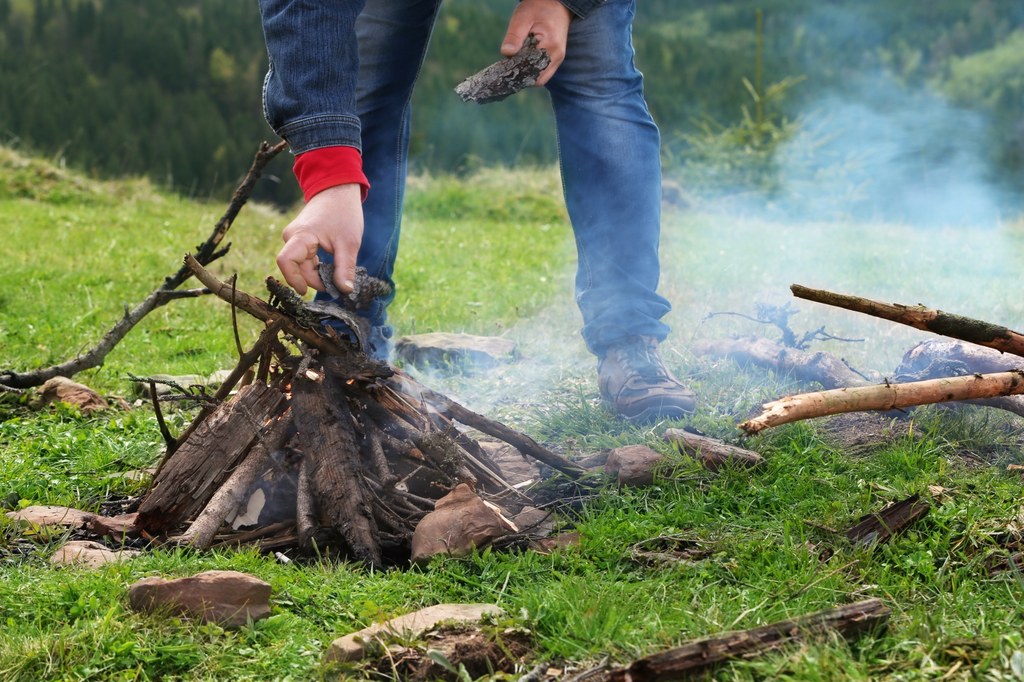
x=171 y=89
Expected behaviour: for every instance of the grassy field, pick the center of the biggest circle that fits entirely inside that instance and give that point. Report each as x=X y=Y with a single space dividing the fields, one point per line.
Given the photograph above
x=483 y=258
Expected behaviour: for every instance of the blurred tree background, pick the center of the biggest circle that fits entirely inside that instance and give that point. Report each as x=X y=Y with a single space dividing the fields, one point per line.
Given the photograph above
x=170 y=89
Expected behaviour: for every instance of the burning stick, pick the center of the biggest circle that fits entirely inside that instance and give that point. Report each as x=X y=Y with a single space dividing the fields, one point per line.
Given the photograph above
x=919 y=317
x=885 y=397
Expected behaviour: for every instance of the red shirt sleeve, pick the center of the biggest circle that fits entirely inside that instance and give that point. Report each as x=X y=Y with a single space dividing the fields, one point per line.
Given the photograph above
x=318 y=169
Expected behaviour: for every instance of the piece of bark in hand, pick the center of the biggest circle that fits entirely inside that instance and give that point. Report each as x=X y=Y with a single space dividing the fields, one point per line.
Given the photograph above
x=506 y=77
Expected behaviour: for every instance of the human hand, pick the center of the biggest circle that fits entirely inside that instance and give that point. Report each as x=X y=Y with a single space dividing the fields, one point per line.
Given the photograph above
x=331 y=220
x=548 y=21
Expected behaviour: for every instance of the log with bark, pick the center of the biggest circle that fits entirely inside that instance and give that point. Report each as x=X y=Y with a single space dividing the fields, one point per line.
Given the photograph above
x=696 y=658
x=998 y=388
x=365 y=449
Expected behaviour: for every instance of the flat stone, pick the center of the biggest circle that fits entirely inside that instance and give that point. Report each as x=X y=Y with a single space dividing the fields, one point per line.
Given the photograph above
x=515 y=468
x=49 y=515
x=352 y=647
x=89 y=554
x=140 y=389
x=228 y=598
x=454 y=353
x=460 y=522
x=64 y=390
x=633 y=465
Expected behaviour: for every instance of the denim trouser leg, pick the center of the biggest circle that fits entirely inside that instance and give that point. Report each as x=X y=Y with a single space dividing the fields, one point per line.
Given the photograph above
x=393 y=37
x=609 y=151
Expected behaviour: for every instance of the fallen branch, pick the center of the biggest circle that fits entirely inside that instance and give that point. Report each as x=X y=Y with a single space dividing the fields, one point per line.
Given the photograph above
x=713 y=454
x=884 y=397
x=927 y=319
x=878 y=527
x=207 y=253
x=695 y=658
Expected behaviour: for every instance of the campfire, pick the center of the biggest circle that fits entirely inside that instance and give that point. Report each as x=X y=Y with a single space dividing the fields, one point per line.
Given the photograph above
x=346 y=455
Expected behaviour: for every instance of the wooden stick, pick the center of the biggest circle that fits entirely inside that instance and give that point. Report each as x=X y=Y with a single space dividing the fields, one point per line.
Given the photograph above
x=919 y=317
x=164 y=294
x=713 y=454
x=230 y=495
x=695 y=658
x=884 y=397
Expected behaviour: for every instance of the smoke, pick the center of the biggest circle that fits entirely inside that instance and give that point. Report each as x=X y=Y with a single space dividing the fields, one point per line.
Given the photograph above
x=882 y=151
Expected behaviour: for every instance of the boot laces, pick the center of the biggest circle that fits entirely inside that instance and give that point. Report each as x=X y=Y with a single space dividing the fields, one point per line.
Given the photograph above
x=642 y=358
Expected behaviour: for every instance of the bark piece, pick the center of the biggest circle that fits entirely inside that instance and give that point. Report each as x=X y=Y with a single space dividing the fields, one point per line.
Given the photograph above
x=352 y=647
x=713 y=454
x=50 y=515
x=695 y=658
x=920 y=317
x=633 y=465
x=228 y=598
x=89 y=554
x=324 y=421
x=884 y=397
x=460 y=523
x=507 y=76
x=880 y=527
x=193 y=473
x=454 y=353
x=64 y=390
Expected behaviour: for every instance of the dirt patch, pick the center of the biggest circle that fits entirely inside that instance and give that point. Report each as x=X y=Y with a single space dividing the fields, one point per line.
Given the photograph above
x=858 y=433
x=443 y=653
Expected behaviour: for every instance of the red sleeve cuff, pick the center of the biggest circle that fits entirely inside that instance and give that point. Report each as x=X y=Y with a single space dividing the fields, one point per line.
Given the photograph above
x=318 y=169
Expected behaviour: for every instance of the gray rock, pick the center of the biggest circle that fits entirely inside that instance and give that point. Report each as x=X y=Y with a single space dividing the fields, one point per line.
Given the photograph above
x=352 y=647
x=454 y=353
x=228 y=598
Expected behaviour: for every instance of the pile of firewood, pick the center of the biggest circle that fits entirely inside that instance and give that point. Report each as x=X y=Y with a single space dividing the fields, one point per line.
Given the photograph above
x=364 y=450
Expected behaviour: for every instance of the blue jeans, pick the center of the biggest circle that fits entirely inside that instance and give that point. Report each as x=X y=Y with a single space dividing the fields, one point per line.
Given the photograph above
x=608 y=147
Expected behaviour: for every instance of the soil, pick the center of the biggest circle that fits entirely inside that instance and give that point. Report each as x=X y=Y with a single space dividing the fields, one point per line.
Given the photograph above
x=466 y=647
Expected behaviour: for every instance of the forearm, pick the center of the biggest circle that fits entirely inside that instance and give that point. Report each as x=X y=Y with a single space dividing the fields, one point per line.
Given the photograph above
x=309 y=94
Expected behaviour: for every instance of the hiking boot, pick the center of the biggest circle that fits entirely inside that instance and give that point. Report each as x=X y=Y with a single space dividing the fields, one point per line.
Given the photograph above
x=636 y=384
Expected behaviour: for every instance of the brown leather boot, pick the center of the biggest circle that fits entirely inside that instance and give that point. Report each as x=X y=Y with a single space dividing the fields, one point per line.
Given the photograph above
x=638 y=387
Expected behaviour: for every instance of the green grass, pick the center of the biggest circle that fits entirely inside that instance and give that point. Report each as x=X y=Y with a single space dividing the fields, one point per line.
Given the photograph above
x=493 y=254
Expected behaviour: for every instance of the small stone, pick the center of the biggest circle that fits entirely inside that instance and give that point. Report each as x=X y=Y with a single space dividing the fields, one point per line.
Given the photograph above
x=228 y=598
x=88 y=554
x=352 y=647
x=460 y=522
x=560 y=541
x=633 y=465
x=48 y=515
x=454 y=353
x=64 y=390
x=515 y=468
x=115 y=527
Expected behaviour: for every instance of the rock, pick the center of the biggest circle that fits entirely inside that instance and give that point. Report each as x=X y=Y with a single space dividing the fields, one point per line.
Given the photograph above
x=64 y=390
x=460 y=522
x=633 y=465
x=115 y=527
x=47 y=515
x=88 y=554
x=535 y=521
x=228 y=598
x=352 y=647
x=560 y=541
x=514 y=467
x=454 y=353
